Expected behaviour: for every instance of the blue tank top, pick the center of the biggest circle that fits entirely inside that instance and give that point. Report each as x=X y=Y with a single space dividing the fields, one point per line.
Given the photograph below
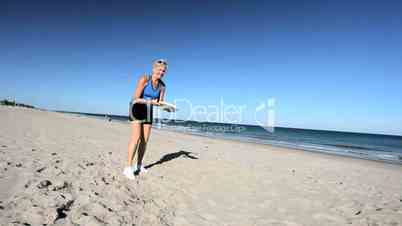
x=150 y=92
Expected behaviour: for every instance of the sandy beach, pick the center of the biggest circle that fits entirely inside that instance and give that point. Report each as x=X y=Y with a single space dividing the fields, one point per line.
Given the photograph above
x=60 y=169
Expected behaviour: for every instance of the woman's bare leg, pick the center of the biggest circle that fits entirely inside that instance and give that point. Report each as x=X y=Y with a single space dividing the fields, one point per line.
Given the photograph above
x=136 y=128
x=146 y=131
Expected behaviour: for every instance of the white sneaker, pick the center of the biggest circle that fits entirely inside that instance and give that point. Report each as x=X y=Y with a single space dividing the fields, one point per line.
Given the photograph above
x=128 y=172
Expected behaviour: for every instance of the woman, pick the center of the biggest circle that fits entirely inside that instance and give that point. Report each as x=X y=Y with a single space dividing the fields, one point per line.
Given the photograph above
x=150 y=90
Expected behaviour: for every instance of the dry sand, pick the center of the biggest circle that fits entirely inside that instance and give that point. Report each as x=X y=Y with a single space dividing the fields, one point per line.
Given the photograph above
x=59 y=169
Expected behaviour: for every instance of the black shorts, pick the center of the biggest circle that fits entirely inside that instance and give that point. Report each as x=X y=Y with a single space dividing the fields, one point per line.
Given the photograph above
x=142 y=113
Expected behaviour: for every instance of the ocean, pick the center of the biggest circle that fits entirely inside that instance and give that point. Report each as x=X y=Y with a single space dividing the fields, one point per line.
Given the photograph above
x=386 y=148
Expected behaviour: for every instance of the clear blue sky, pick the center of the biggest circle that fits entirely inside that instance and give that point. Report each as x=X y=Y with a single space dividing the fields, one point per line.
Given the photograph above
x=329 y=64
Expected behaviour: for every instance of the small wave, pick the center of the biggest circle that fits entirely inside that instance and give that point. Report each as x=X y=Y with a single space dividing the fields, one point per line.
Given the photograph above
x=350 y=146
x=355 y=147
x=388 y=156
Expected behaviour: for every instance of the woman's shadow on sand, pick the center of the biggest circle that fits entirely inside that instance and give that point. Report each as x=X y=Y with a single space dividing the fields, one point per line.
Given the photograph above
x=171 y=156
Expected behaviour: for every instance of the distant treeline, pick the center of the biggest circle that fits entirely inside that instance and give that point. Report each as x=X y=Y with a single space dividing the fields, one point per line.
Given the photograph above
x=13 y=103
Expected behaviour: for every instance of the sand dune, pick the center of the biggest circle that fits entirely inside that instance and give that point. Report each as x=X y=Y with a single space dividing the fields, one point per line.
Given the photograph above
x=59 y=169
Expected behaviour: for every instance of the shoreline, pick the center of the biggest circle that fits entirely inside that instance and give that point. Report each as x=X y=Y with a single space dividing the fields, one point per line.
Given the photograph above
x=287 y=149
